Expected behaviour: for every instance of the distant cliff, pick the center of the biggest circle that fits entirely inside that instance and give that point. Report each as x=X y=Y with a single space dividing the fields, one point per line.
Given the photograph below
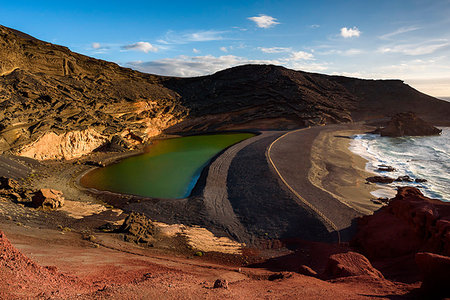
x=46 y=88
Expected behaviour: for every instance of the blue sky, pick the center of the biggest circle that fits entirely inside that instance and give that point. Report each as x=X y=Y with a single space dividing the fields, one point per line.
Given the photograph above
x=409 y=40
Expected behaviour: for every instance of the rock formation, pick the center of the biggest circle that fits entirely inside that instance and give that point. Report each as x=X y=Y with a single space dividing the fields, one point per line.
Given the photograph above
x=410 y=223
x=48 y=198
x=350 y=264
x=69 y=145
x=408 y=124
x=137 y=228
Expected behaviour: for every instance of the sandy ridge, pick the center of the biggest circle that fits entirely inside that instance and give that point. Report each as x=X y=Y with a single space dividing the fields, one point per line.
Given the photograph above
x=215 y=193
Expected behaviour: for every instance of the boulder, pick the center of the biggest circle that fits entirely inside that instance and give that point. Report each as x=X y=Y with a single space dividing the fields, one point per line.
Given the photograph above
x=350 y=264
x=380 y=179
x=47 y=198
x=408 y=124
x=420 y=180
x=137 y=228
x=435 y=271
x=386 y=168
x=221 y=284
x=404 y=178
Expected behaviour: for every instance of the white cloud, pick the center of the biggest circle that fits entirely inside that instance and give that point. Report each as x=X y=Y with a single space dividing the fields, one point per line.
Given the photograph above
x=96 y=45
x=223 y=49
x=301 y=55
x=314 y=26
x=275 y=49
x=196 y=51
x=421 y=48
x=350 y=32
x=202 y=65
x=294 y=55
x=141 y=46
x=172 y=37
x=401 y=30
x=264 y=21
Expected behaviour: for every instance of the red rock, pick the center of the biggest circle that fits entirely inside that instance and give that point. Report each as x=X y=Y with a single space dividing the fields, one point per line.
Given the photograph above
x=435 y=270
x=305 y=270
x=411 y=222
x=350 y=264
x=48 y=198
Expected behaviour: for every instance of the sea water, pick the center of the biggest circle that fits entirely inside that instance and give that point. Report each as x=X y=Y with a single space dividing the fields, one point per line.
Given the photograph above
x=426 y=157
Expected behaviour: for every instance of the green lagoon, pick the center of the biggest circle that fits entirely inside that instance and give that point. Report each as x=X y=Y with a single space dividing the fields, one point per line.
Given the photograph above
x=168 y=169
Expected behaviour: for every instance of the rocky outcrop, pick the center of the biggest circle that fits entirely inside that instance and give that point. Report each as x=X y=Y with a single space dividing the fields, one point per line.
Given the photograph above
x=48 y=198
x=137 y=228
x=408 y=124
x=65 y=146
x=410 y=223
x=435 y=270
x=350 y=264
x=47 y=88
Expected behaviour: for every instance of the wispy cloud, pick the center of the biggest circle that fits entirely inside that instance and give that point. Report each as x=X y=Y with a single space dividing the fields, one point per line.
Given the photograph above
x=293 y=55
x=350 y=32
x=275 y=49
x=348 y=52
x=172 y=37
x=401 y=30
x=314 y=26
x=196 y=51
x=202 y=65
x=99 y=48
x=421 y=48
x=264 y=21
x=141 y=46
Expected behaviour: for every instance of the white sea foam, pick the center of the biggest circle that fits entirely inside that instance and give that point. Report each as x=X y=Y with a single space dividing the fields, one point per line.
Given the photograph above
x=418 y=157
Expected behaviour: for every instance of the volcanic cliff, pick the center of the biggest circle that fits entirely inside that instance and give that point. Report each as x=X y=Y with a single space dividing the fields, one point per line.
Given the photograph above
x=51 y=96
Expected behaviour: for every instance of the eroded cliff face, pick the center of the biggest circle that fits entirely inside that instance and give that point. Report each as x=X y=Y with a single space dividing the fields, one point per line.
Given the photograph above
x=50 y=95
x=64 y=146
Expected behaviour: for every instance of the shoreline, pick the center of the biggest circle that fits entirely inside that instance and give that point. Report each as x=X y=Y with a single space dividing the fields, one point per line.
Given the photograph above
x=340 y=172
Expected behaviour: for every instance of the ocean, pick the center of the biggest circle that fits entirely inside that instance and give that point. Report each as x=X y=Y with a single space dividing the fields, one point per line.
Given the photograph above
x=425 y=157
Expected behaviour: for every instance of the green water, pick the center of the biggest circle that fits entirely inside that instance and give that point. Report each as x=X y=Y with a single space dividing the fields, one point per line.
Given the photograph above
x=168 y=169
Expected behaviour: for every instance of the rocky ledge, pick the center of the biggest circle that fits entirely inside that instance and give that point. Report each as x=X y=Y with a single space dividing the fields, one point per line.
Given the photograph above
x=411 y=227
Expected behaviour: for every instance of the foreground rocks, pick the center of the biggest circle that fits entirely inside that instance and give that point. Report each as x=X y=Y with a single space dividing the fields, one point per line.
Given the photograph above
x=408 y=124
x=137 y=228
x=42 y=198
x=48 y=198
x=410 y=223
x=350 y=264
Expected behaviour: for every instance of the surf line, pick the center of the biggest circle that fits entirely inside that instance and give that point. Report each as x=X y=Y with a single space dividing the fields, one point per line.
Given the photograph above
x=312 y=207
